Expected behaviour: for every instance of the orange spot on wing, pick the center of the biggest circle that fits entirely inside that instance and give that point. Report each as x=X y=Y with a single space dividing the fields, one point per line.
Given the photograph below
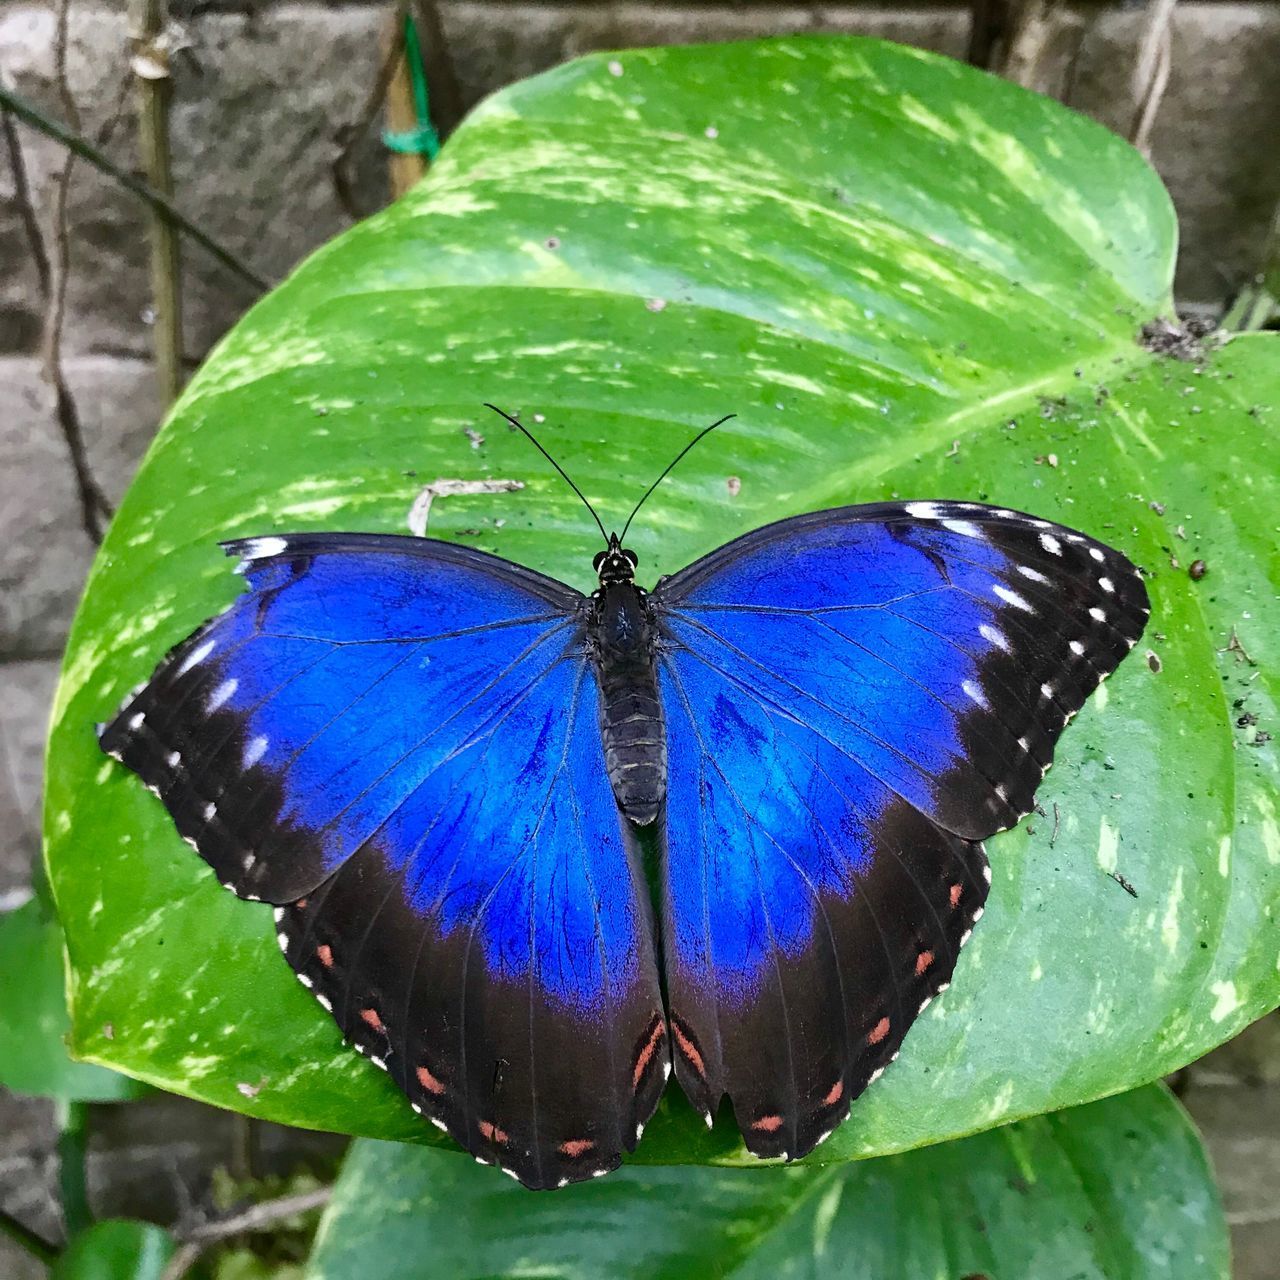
x=325 y=952
x=837 y=1092
x=768 y=1124
x=645 y=1055
x=879 y=1031
x=956 y=891
x=923 y=961
x=492 y=1133
x=373 y=1018
x=429 y=1082
x=690 y=1050
x=576 y=1147
x=301 y=904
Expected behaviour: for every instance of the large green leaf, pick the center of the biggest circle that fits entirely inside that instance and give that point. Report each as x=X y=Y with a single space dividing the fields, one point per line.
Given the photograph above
x=907 y=278
x=1118 y=1190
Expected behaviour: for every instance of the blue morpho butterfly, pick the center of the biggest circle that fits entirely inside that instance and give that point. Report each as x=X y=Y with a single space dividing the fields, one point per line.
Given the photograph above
x=436 y=763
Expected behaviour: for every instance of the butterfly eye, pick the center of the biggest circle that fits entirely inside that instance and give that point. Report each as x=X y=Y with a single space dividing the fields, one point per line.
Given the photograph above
x=599 y=560
x=631 y=555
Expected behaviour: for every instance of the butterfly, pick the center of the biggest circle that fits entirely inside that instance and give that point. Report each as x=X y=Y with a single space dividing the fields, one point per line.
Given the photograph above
x=440 y=767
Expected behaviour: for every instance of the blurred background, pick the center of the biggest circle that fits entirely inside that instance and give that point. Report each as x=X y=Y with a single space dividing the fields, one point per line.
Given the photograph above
x=274 y=116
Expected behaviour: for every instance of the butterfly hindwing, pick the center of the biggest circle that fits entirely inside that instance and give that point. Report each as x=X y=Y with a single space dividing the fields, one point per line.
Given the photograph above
x=856 y=699
x=398 y=742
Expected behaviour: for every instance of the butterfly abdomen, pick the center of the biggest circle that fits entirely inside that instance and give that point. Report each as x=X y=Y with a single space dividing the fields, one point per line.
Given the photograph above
x=631 y=723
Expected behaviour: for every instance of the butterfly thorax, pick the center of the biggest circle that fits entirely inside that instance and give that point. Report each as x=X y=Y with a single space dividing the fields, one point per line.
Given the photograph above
x=621 y=640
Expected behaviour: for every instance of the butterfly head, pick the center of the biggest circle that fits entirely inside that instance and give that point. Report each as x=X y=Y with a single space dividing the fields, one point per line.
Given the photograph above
x=616 y=563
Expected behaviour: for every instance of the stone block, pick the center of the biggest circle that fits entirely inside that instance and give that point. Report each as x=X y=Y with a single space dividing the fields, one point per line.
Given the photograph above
x=257 y=101
x=1214 y=139
x=28 y=1175
x=44 y=550
x=26 y=694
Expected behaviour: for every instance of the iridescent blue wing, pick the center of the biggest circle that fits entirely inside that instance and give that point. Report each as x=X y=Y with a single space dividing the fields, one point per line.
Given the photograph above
x=397 y=741
x=855 y=699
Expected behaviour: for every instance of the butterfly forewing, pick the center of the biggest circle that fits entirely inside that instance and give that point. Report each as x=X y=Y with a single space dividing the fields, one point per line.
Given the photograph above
x=854 y=699
x=397 y=741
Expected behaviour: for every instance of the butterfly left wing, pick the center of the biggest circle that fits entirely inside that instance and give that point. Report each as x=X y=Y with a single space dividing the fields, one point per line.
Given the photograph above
x=854 y=700
x=397 y=741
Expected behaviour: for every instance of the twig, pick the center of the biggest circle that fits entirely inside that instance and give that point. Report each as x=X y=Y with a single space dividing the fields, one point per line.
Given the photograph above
x=1233 y=645
x=27 y=1240
x=82 y=147
x=1151 y=69
x=420 y=512
x=1034 y=26
x=988 y=24
x=437 y=59
x=404 y=169
x=1123 y=883
x=257 y=1217
x=150 y=63
x=347 y=136
x=95 y=509
x=1057 y=822
x=22 y=197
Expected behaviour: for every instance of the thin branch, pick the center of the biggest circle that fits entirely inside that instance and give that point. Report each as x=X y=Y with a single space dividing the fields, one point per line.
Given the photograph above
x=150 y=64
x=258 y=1217
x=988 y=23
x=95 y=509
x=22 y=197
x=28 y=1241
x=82 y=147
x=404 y=169
x=1151 y=70
x=437 y=58
x=348 y=136
x=1034 y=27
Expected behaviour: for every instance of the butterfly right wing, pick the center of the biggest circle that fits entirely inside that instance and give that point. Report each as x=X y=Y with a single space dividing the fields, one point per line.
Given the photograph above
x=397 y=741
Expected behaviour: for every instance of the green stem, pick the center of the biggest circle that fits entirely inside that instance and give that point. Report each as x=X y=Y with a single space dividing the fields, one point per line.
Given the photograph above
x=82 y=147
x=27 y=1240
x=72 y=1179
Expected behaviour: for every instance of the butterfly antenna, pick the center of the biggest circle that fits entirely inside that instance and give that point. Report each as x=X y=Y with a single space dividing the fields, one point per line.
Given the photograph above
x=519 y=426
x=670 y=468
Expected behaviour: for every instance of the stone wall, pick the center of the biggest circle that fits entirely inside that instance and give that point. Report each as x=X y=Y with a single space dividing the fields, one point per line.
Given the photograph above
x=260 y=92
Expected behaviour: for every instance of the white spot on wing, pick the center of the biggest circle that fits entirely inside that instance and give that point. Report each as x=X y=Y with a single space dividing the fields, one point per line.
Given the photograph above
x=135 y=721
x=174 y=759
x=965 y=527
x=262 y=548
x=1097 y=615
x=325 y=1003
x=196 y=655
x=1034 y=574
x=1107 y=585
x=1051 y=544
x=1077 y=648
x=222 y=693
x=254 y=752
x=1095 y=553
x=1011 y=597
x=993 y=635
x=922 y=510
x=975 y=694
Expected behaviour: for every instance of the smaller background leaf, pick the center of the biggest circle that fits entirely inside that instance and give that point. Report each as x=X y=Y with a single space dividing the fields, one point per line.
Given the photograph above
x=33 y=1016
x=116 y=1250
x=1117 y=1190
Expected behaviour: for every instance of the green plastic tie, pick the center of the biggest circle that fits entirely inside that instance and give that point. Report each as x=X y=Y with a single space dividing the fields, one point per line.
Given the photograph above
x=422 y=139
